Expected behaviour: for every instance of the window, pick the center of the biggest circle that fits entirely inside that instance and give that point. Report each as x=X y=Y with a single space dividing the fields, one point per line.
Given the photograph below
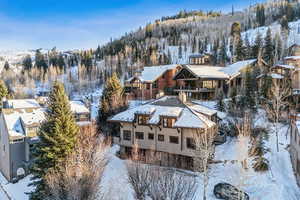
x=143 y=120
x=168 y=122
x=139 y=135
x=148 y=86
x=4 y=148
x=190 y=143
x=154 y=85
x=150 y=136
x=161 y=138
x=174 y=140
x=208 y=84
x=127 y=135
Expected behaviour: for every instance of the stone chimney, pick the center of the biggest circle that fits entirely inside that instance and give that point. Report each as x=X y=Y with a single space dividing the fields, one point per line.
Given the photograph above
x=182 y=97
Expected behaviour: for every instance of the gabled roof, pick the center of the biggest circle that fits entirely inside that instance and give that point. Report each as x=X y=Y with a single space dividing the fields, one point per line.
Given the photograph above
x=203 y=71
x=151 y=74
x=186 y=116
x=235 y=68
x=292 y=58
x=78 y=107
x=15 y=118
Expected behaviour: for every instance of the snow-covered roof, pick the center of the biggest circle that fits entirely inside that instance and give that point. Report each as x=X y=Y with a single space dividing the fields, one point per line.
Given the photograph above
x=22 y=103
x=78 y=107
x=272 y=75
x=28 y=116
x=276 y=76
x=292 y=58
x=235 y=68
x=150 y=74
x=210 y=105
x=167 y=106
x=203 y=71
x=285 y=66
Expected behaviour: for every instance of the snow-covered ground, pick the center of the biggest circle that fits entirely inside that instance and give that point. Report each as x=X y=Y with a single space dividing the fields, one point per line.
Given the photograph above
x=276 y=184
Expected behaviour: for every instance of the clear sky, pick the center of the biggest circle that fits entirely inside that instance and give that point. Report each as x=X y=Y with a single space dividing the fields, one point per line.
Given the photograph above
x=73 y=24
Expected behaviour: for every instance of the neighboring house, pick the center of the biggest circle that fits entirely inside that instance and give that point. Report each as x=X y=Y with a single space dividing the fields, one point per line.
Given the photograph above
x=237 y=72
x=200 y=59
x=81 y=113
x=165 y=131
x=21 y=103
x=295 y=145
x=18 y=131
x=201 y=81
x=19 y=124
x=151 y=81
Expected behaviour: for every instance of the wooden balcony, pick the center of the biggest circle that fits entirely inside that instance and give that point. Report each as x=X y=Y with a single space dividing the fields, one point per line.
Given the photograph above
x=195 y=90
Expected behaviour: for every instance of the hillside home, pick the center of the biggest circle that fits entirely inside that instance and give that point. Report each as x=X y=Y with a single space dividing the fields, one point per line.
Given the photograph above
x=152 y=81
x=18 y=132
x=19 y=124
x=201 y=82
x=237 y=72
x=200 y=59
x=295 y=145
x=81 y=113
x=165 y=131
x=21 y=103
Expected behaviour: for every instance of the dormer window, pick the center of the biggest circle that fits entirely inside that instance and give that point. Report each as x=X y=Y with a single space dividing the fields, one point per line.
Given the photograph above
x=168 y=122
x=143 y=119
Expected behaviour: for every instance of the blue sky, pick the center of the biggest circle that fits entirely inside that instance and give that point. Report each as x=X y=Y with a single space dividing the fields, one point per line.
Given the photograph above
x=70 y=24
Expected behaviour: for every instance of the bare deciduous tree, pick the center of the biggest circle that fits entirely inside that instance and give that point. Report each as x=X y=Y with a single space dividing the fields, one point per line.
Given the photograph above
x=80 y=177
x=158 y=183
x=277 y=104
x=167 y=184
x=204 y=149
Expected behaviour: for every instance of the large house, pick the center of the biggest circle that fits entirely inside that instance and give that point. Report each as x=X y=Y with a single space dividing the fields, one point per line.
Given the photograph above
x=151 y=81
x=20 y=120
x=165 y=131
x=201 y=81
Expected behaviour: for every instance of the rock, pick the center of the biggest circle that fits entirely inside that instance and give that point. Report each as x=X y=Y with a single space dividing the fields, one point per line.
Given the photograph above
x=229 y=192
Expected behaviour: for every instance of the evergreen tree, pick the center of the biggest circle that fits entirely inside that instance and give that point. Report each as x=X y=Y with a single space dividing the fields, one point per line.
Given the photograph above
x=257 y=45
x=6 y=66
x=57 y=137
x=248 y=48
x=3 y=92
x=284 y=24
x=249 y=89
x=240 y=51
x=61 y=62
x=222 y=57
x=260 y=15
x=112 y=102
x=27 y=62
x=269 y=48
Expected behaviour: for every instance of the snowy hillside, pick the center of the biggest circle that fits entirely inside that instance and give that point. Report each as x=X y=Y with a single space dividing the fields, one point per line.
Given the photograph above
x=294 y=34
